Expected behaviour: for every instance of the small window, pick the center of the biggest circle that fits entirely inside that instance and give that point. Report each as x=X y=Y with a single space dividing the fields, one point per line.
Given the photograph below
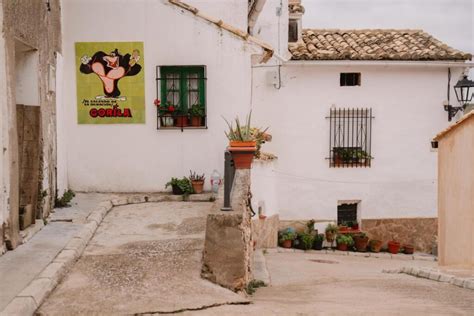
x=293 y=31
x=182 y=97
x=350 y=138
x=347 y=214
x=350 y=79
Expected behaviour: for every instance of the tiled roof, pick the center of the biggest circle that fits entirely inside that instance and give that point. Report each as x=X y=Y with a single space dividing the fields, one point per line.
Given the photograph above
x=296 y=8
x=375 y=44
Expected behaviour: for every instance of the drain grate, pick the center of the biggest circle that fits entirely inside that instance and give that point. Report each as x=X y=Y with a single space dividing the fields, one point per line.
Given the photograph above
x=324 y=261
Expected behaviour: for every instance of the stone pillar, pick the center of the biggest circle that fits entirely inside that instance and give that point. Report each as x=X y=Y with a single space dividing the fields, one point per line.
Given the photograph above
x=228 y=247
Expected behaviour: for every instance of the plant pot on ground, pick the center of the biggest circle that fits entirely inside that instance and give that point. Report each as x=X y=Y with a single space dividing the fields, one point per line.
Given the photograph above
x=331 y=231
x=361 y=241
x=375 y=245
x=318 y=242
x=305 y=241
x=408 y=249
x=286 y=239
x=343 y=242
x=197 y=181
x=180 y=186
x=393 y=246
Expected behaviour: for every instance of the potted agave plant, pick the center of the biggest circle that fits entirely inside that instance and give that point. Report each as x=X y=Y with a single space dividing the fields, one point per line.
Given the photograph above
x=197 y=181
x=242 y=144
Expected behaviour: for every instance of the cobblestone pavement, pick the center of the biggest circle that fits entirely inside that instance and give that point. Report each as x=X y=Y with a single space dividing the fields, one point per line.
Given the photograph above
x=327 y=284
x=144 y=258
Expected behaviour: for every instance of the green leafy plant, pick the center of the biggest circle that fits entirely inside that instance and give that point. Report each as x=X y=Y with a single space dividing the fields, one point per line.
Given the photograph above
x=331 y=228
x=197 y=110
x=306 y=240
x=183 y=184
x=319 y=238
x=240 y=132
x=310 y=225
x=361 y=235
x=253 y=285
x=65 y=199
x=260 y=137
x=193 y=176
x=345 y=239
x=350 y=154
x=288 y=235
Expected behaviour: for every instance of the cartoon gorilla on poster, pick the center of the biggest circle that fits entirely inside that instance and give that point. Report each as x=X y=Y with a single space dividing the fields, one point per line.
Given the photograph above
x=110 y=68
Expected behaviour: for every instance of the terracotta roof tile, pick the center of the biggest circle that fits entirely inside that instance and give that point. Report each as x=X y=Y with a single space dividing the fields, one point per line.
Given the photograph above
x=372 y=44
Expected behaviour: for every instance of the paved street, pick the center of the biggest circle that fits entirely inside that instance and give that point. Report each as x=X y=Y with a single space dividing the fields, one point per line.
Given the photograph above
x=320 y=284
x=144 y=258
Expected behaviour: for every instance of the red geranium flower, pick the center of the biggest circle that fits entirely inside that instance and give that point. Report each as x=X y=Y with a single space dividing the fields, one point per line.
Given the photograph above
x=171 y=108
x=157 y=102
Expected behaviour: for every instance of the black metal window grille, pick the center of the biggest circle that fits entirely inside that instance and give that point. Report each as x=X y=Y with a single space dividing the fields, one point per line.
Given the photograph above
x=346 y=212
x=292 y=31
x=182 y=91
x=350 y=138
x=349 y=79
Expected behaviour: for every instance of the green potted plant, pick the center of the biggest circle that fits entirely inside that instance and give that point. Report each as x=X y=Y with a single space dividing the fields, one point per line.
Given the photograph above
x=375 y=245
x=180 y=186
x=408 y=249
x=310 y=226
x=197 y=181
x=242 y=144
x=286 y=239
x=343 y=227
x=343 y=242
x=331 y=231
x=318 y=242
x=196 y=113
x=305 y=241
x=361 y=241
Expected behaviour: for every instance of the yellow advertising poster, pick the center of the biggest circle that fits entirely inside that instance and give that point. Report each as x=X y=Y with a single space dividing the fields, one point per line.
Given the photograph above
x=110 y=83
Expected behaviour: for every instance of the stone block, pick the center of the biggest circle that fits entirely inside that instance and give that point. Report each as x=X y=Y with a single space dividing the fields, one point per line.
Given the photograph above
x=414 y=271
x=156 y=198
x=445 y=278
x=20 y=306
x=95 y=216
x=469 y=284
x=66 y=256
x=77 y=245
x=54 y=271
x=457 y=281
x=91 y=226
x=204 y=197
x=38 y=289
x=106 y=204
x=137 y=199
x=423 y=273
x=85 y=234
x=120 y=201
x=434 y=276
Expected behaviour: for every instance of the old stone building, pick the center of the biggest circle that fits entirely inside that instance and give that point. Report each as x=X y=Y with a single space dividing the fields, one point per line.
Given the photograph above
x=28 y=53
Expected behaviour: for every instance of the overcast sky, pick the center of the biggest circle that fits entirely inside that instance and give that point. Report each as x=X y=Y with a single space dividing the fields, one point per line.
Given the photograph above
x=451 y=21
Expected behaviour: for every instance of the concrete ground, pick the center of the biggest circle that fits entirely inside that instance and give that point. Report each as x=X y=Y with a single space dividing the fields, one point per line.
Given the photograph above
x=19 y=267
x=325 y=284
x=144 y=258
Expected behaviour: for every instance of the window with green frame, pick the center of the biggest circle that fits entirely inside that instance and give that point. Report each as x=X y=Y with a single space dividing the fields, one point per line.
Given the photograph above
x=183 y=97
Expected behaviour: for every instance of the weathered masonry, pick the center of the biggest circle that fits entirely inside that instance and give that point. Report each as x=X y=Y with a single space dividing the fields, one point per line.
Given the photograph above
x=28 y=54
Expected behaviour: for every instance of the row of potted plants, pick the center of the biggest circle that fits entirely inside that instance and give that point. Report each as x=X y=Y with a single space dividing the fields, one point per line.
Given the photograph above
x=171 y=115
x=187 y=185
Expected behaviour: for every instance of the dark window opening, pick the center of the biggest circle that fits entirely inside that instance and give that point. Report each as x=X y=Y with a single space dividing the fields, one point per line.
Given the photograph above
x=350 y=79
x=182 y=92
x=293 y=31
x=350 y=138
x=347 y=214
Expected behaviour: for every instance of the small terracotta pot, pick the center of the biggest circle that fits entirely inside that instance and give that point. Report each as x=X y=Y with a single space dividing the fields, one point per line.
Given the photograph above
x=196 y=121
x=242 y=156
x=343 y=228
x=342 y=247
x=361 y=243
x=355 y=227
x=375 y=245
x=286 y=244
x=197 y=186
x=181 y=121
x=393 y=247
x=408 y=249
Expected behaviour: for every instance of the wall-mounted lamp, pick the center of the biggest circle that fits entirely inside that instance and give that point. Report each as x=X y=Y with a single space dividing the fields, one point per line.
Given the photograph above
x=464 y=90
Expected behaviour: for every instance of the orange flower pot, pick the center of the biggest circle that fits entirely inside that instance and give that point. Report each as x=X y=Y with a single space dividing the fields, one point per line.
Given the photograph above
x=181 y=121
x=393 y=247
x=235 y=143
x=242 y=156
x=196 y=121
x=197 y=186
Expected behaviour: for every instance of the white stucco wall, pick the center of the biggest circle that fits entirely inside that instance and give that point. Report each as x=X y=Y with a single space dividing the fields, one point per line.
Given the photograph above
x=407 y=105
x=4 y=163
x=139 y=157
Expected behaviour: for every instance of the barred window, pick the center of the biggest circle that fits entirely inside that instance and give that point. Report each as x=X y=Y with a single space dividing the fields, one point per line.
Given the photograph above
x=182 y=96
x=349 y=79
x=350 y=138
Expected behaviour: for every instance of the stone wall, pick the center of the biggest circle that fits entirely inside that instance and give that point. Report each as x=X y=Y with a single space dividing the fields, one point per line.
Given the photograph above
x=34 y=24
x=420 y=232
x=228 y=246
